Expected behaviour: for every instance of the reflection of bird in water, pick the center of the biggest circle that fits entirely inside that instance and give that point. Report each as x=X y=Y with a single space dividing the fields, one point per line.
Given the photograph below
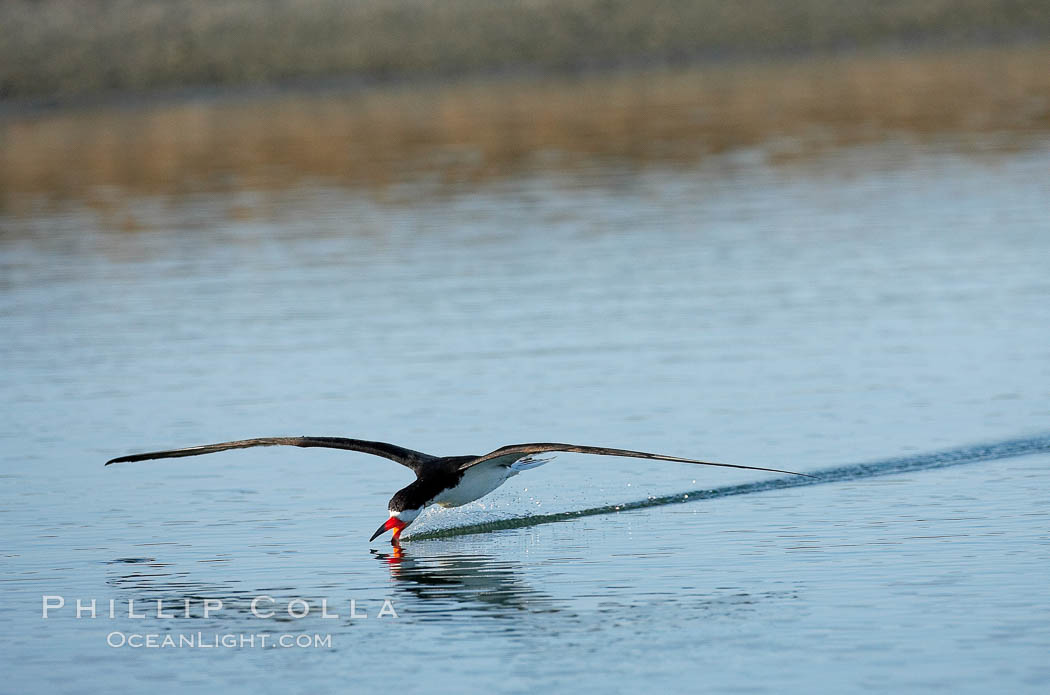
x=450 y=481
x=479 y=580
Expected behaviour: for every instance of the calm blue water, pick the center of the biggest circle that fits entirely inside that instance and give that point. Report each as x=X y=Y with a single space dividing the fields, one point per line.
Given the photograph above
x=875 y=305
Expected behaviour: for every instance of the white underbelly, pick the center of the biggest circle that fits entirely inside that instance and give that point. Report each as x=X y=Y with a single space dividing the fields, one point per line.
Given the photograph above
x=475 y=484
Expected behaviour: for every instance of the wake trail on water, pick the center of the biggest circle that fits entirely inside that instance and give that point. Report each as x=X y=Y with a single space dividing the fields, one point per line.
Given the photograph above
x=857 y=471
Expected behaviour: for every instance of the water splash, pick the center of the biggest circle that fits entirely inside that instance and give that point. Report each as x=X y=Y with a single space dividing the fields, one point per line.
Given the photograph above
x=858 y=471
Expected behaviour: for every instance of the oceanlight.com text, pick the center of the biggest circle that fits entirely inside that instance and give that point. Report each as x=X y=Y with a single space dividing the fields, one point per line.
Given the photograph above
x=229 y=640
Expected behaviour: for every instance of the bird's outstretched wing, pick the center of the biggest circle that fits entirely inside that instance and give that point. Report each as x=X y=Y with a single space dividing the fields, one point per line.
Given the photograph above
x=518 y=450
x=406 y=457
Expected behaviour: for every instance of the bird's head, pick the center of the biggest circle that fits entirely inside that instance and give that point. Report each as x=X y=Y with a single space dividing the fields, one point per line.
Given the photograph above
x=399 y=519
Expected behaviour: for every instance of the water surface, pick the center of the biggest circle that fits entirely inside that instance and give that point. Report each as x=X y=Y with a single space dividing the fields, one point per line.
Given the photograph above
x=872 y=304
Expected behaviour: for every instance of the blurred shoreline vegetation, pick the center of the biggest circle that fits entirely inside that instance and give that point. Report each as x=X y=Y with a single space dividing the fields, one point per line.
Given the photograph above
x=456 y=136
x=62 y=49
x=88 y=120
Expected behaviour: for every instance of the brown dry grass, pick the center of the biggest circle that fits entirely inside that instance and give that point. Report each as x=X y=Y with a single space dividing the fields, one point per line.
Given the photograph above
x=477 y=131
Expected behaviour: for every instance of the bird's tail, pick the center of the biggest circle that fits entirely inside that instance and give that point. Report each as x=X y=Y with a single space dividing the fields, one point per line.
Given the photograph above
x=528 y=463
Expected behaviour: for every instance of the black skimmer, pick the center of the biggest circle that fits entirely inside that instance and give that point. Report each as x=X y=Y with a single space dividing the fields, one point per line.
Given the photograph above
x=449 y=481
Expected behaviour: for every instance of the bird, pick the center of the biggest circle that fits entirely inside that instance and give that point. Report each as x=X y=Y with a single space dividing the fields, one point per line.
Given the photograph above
x=447 y=481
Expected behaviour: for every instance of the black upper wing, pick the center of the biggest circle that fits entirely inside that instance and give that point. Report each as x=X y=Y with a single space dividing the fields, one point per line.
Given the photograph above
x=526 y=449
x=406 y=457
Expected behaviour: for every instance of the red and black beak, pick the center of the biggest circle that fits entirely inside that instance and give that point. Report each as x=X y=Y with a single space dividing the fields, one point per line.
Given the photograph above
x=392 y=523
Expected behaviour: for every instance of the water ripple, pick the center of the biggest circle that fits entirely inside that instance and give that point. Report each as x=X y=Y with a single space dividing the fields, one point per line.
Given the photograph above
x=858 y=471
